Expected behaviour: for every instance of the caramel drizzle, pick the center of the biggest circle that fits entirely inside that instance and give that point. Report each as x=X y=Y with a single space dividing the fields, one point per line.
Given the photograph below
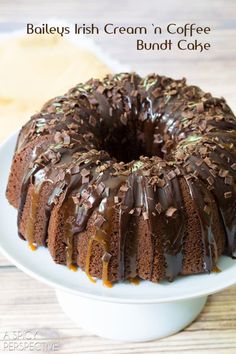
x=69 y=210
x=34 y=202
x=73 y=267
x=32 y=247
x=134 y=281
x=24 y=191
x=30 y=176
x=80 y=214
x=124 y=221
x=103 y=233
x=87 y=263
x=72 y=228
x=101 y=237
x=31 y=218
x=80 y=225
x=173 y=252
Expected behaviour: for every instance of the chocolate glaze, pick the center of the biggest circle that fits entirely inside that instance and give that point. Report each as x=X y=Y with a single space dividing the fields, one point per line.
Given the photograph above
x=181 y=131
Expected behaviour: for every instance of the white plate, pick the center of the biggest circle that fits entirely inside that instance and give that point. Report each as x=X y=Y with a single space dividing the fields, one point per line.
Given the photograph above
x=81 y=41
x=40 y=265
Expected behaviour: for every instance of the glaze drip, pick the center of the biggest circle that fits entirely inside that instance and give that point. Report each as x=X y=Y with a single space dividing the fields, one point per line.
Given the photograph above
x=118 y=150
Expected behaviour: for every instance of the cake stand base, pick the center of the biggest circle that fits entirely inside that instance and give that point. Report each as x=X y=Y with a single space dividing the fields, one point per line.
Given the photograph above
x=130 y=322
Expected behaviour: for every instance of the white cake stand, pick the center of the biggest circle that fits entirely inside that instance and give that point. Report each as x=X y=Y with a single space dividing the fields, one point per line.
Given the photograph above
x=125 y=312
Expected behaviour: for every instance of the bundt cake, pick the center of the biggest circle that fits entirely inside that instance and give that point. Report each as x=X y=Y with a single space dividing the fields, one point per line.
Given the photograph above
x=129 y=177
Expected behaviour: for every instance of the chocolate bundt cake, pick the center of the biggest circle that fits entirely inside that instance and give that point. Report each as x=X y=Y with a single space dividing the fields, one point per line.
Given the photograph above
x=129 y=177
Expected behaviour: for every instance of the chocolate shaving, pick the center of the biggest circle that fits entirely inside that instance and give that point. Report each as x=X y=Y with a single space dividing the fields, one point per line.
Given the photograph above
x=116 y=199
x=99 y=221
x=93 y=101
x=181 y=136
x=207 y=209
x=158 y=208
x=213 y=172
x=110 y=111
x=171 y=211
x=187 y=114
x=203 y=125
x=100 y=89
x=233 y=166
x=84 y=172
x=58 y=138
x=223 y=173
x=66 y=138
x=177 y=171
x=87 y=204
x=157 y=92
x=229 y=180
x=85 y=194
x=200 y=107
x=207 y=161
x=61 y=175
x=76 y=199
x=92 y=121
x=73 y=126
x=161 y=183
x=123 y=119
x=52 y=155
x=134 y=93
x=75 y=170
x=171 y=175
x=210 y=180
x=228 y=195
x=107 y=191
x=199 y=162
x=158 y=139
x=106 y=257
x=124 y=188
x=172 y=92
x=100 y=188
x=85 y=179
x=203 y=150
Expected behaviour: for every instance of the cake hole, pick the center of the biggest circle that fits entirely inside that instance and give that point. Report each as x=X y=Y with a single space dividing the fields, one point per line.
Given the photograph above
x=128 y=143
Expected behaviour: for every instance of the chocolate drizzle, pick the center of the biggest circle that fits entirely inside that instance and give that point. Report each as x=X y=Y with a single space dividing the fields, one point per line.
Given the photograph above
x=124 y=219
x=226 y=206
x=170 y=198
x=199 y=198
x=118 y=148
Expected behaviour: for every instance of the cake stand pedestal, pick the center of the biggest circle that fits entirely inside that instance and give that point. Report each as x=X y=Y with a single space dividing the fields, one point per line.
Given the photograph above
x=130 y=322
